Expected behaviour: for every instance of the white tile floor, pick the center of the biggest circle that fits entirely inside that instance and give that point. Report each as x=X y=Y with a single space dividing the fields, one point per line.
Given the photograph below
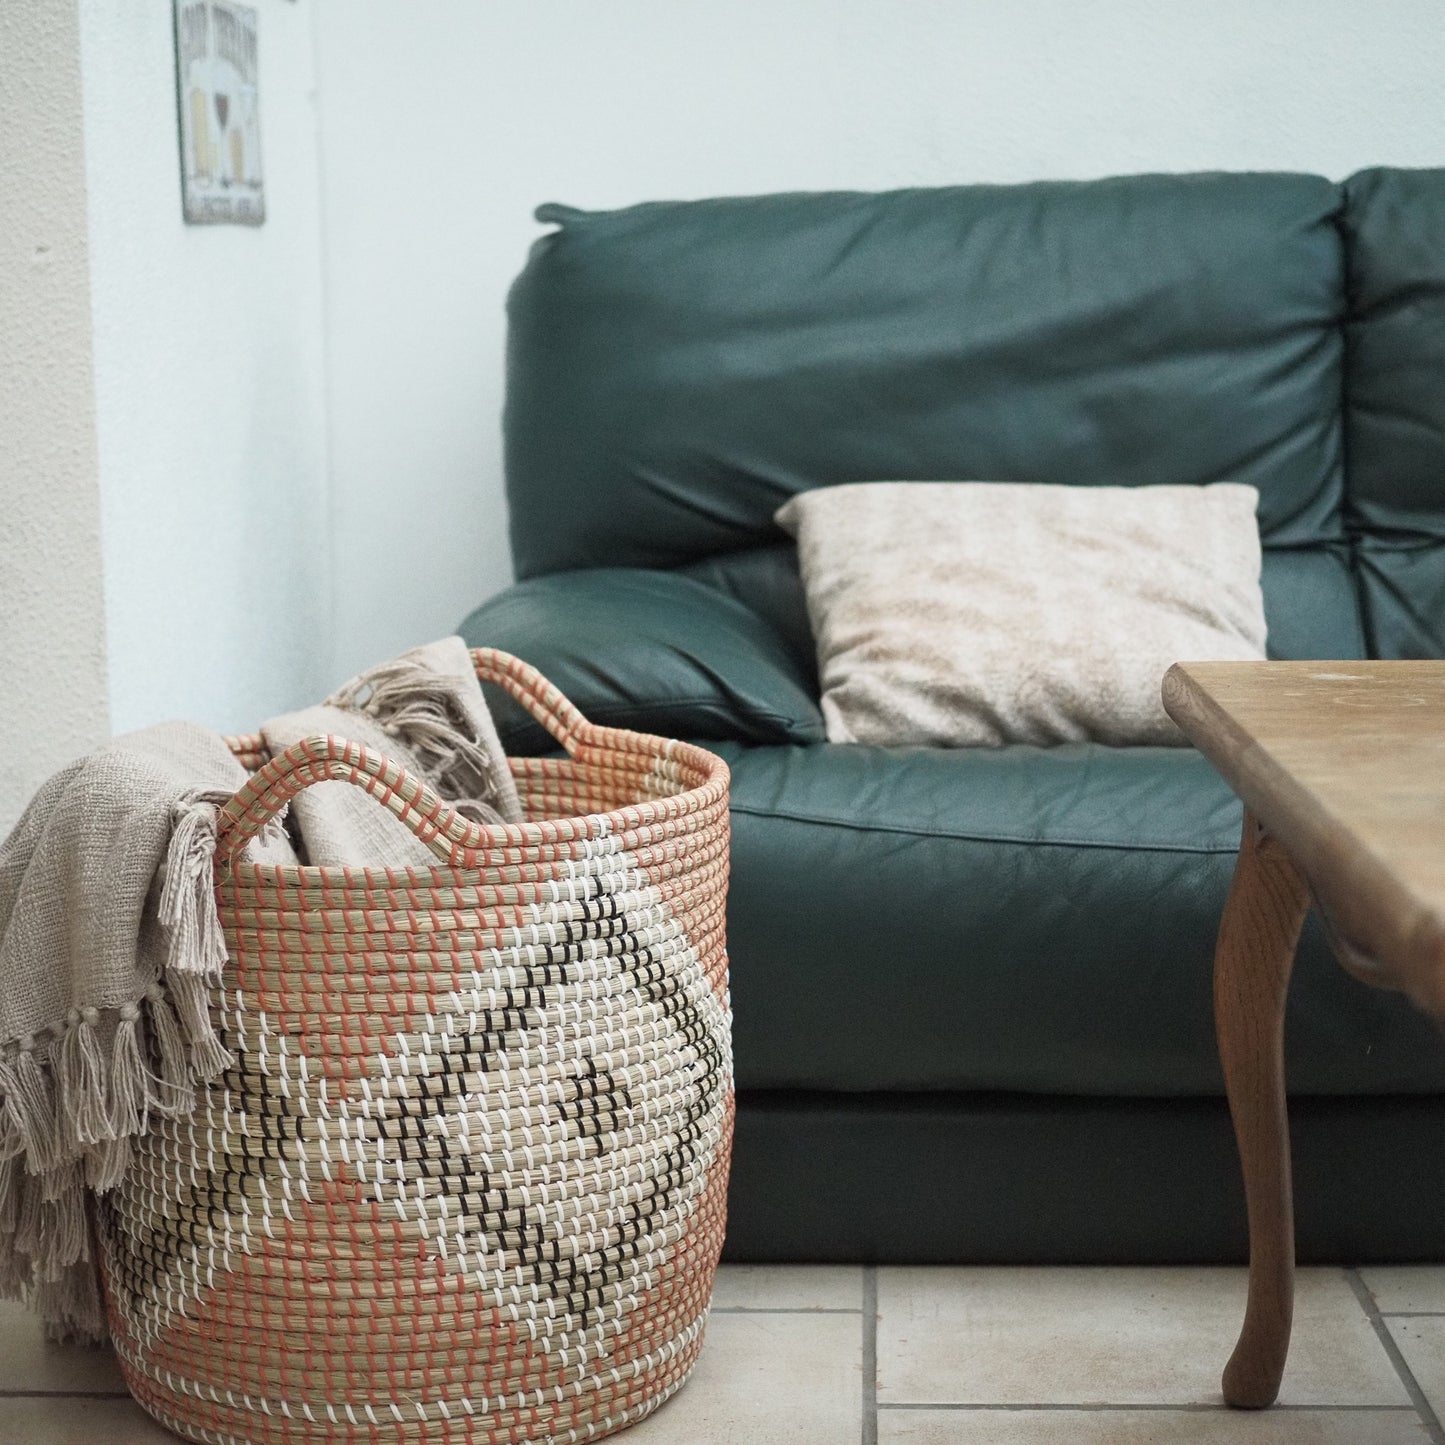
x=800 y=1355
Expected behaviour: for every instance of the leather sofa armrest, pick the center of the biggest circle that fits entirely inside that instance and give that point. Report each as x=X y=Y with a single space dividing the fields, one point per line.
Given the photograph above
x=651 y=650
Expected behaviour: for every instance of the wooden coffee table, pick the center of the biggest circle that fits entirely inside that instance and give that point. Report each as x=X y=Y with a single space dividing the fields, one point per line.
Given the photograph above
x=1341 y=767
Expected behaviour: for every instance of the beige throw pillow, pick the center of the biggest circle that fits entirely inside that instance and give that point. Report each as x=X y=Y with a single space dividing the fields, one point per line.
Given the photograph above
x=954 y=614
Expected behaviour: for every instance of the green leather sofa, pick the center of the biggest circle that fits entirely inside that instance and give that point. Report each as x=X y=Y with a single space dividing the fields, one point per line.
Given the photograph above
x=972 y=988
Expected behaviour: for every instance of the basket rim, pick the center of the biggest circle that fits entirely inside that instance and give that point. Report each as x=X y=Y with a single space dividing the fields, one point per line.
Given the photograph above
x=510 y=844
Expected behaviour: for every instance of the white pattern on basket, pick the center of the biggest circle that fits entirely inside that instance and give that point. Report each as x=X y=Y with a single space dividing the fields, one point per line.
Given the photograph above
x=466 y=1179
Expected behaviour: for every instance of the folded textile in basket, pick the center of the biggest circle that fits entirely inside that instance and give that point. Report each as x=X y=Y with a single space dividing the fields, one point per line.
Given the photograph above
x=110 y=943
x=425 y=711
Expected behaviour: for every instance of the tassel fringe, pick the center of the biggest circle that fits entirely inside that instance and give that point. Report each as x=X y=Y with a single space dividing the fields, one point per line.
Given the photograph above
x=191 y=995
x=71 y=1307
x=30 y=1107
x=80 y=1074
x=423 y=708
x=196 y=943
x=74 y=1097
x=174 y=1091
x=52 y=1232
x=63 y=1134
x=132 y=1085
x=106 y=1163
x=67 y=1119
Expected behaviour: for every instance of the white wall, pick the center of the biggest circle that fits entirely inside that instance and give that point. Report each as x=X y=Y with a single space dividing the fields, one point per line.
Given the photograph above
x=444 y=124
x=250 y=563
x=208 y=388
x=52 y=640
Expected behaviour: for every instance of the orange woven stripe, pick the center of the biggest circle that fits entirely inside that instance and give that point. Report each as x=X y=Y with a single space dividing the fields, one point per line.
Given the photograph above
x=467 y=1178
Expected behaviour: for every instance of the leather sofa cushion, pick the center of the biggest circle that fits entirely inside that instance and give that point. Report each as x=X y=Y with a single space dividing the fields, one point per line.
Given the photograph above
x=1027 y=919
x=767 y=580
x=1310 y=604
x=1402 y=582
x=676 y=371
x=656 y=651
x=1394 y=223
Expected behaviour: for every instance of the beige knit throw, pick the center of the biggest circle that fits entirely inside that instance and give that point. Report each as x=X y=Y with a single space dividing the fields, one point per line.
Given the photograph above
x=425 y=711
x=110 y=942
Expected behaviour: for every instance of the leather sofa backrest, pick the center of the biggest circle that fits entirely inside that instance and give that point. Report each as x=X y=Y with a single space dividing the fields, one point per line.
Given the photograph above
x=1394 y=226
x=678 y=370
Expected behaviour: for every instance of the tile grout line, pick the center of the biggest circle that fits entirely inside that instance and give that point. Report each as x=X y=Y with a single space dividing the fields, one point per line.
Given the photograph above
x=870 y=1355
x=1163 y=1407
x=65 y=1395
x=1387 y=1342
x=780 y=1310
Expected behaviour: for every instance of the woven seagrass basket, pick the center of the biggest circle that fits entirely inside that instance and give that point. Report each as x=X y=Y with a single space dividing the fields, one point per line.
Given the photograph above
x=466 y=1179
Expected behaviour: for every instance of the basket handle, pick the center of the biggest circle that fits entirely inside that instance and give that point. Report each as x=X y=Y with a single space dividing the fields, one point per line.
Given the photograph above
x=324 y=758
x=527 y=686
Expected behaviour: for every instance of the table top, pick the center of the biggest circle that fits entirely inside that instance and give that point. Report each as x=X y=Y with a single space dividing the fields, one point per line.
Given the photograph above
x=1343 y=763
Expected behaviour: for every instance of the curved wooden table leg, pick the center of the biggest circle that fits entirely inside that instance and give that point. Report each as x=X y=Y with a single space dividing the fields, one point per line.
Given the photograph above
x=1252 y=963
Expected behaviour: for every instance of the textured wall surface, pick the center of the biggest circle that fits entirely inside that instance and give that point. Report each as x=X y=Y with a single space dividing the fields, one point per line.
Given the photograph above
x=52 y=640
x=209 y=394
x=444 y=125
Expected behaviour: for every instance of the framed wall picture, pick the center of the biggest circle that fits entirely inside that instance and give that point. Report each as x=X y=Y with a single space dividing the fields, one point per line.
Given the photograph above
x=220 y=123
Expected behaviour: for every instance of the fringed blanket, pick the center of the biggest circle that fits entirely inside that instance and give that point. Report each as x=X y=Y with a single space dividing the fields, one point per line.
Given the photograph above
x=110 y=943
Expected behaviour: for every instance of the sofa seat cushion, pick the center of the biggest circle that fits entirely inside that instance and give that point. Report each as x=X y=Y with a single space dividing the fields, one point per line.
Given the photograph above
x=1021 y=919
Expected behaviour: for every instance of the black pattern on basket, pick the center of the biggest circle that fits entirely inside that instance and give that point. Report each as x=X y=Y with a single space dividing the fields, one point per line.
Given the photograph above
x=466 y=1177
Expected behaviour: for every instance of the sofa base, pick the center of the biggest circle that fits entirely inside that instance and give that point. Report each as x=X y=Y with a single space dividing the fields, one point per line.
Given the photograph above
x=1017 y=1179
